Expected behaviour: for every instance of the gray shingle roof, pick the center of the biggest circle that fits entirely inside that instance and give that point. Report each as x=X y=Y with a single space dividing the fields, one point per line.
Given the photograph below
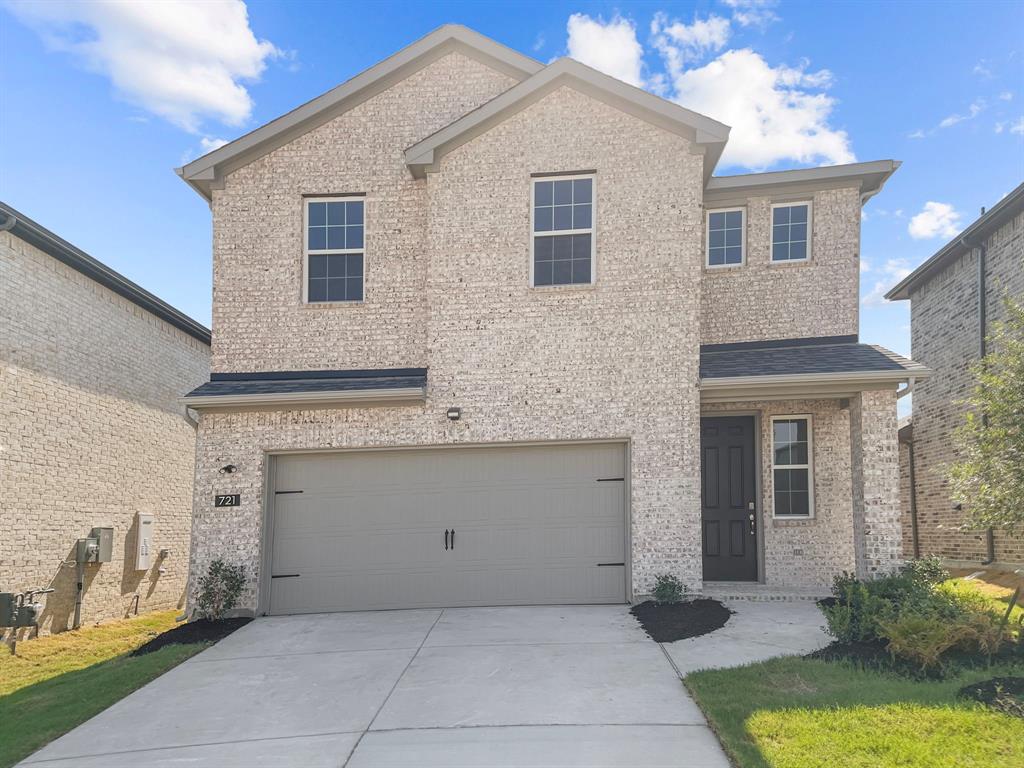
x=839 y=354
x=291 y=382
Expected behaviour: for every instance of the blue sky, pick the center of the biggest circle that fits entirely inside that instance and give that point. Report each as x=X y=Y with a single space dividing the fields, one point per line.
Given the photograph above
x=100 y=101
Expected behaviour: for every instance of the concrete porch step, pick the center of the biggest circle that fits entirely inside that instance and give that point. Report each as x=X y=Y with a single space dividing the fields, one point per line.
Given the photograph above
x=731 y=590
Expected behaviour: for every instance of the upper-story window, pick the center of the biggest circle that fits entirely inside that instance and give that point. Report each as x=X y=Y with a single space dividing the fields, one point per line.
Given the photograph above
x=726 y=237
x=334 y=249
x=791 y=232
x=563 y=230
x=792 y=466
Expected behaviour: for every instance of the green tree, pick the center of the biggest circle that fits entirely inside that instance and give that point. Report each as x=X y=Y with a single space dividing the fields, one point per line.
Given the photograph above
x=989 y=478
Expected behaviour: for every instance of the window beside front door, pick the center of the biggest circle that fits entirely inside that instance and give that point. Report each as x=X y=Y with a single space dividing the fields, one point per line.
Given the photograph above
x=563 y=230
x=334 y=250
x=792 y=466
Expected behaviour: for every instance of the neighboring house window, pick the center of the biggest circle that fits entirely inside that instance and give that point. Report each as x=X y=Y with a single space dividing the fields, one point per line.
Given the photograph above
x=563 y=230
x=334 y=249
x=792 y=466
x=791 y=232
x=726 y=237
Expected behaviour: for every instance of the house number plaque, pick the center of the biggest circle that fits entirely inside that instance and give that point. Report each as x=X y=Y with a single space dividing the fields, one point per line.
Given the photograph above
x=227 y=499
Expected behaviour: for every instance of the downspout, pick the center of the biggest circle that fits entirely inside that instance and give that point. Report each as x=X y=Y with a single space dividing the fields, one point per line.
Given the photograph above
x=990 y=539
x=913 y=500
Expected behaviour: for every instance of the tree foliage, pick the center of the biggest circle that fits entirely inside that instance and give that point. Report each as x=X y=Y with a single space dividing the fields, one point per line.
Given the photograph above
x=989 y=477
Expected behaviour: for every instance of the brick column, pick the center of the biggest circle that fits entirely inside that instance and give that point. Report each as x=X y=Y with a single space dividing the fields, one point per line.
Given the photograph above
x=874 y=451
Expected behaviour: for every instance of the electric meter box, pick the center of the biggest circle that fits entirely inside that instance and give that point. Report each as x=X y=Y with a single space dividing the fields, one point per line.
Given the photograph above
x=143 y=541
x=104 y=544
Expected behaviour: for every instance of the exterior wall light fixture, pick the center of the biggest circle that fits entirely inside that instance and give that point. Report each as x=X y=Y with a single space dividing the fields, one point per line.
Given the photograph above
x=454 y=414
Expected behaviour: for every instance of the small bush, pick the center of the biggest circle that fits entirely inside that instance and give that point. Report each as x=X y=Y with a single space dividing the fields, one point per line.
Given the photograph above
x=668 y=589
x=921 y=639
x=928 y=570
x=219 y=589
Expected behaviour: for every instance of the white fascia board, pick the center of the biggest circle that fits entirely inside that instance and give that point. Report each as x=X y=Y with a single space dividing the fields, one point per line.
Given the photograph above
x=868 y=177
x=804 y=385
x=307 y=399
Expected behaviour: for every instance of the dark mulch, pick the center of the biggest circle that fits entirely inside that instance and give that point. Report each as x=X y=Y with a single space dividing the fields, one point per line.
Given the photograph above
x=199 y=631
x=1003 y=693
x=668 y=622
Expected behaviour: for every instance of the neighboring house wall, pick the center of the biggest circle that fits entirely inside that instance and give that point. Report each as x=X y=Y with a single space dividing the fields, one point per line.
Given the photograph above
x=783 y=300
x=91 y=432
x=617 y=360
x=945 y=337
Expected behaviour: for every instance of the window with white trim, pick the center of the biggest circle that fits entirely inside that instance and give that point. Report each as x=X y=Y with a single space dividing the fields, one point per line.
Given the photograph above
x=726 y=237
x=334 y=249
x=792 y=466
x=563 y=230
x=791 y=232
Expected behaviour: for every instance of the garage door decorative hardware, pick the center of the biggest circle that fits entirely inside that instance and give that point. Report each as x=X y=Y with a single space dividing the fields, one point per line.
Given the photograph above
x=605 y=565
x=286 y=576
x=280 y=493
x=448 y=533
x=611 y=479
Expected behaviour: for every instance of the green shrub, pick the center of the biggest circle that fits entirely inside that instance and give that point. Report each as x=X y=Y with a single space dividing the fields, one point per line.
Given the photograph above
x=855 y=614
x=668 y=589
x=219 y=589
x=928 y=570
x=921 y=639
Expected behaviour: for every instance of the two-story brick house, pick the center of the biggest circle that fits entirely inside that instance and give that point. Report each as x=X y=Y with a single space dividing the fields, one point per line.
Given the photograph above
x=490 y=332
x=955 y=298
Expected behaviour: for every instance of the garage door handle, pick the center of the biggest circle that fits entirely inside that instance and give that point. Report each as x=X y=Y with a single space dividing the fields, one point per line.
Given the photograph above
x=453 y=539
x=445 y=539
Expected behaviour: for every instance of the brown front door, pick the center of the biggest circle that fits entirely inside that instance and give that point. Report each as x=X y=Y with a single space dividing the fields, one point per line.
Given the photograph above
x=728 y=498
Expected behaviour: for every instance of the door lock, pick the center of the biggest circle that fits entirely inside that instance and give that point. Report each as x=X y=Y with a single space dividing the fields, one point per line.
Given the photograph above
x=751 y=523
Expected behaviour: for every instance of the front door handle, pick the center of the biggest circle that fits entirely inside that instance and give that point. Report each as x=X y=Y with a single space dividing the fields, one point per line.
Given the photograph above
x=445 y=539
x=751 y=523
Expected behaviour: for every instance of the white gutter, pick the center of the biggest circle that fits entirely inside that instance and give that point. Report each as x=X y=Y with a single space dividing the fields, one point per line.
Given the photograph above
x=309 y=399
x=796 y=385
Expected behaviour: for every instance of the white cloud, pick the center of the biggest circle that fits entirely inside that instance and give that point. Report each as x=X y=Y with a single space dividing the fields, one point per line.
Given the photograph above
x=982 y=70
x=774 y=112
x=972 y=112
x=752 y=12
x=610 y=47
x=1006 y=96
x=1017 y=126
x=209 y=143
x=934 y=220
x=891 y=272
x=865 y=266
x=678 y=42
x=183 y=61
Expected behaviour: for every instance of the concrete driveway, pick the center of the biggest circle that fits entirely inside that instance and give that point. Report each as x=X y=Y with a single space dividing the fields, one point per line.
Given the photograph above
x=523 y=686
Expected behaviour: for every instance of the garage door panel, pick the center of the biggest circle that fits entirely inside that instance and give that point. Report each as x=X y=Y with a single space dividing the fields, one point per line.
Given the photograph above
x=367 y=530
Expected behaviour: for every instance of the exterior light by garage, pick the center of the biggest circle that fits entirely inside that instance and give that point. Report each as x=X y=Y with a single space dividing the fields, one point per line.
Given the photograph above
x=454 y=414
x=227 y=469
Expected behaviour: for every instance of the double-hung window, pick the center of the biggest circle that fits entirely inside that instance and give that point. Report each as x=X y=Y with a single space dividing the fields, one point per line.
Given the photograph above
x=563 y=230
x=725 y=237
x=791 y=232
x=792 y=466
x=334 y=249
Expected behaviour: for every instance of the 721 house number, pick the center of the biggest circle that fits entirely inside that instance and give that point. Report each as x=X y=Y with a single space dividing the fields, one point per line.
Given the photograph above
x=227 y=500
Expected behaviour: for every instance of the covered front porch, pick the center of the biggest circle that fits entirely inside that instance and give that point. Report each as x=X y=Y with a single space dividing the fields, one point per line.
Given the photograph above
x=799 y=465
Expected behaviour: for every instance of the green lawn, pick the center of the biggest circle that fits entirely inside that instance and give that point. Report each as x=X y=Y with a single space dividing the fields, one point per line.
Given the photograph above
x=58 y=682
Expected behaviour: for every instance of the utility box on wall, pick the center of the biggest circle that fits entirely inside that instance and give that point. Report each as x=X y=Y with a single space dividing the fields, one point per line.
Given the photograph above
x=143 y=541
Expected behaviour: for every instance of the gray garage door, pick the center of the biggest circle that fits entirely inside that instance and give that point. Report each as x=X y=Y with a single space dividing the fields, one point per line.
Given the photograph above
x=448 y=527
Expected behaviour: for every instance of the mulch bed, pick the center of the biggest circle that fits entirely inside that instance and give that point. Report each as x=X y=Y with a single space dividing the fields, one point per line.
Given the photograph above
x=199 y=631
x=875 y=655
x=668 y=622
x=1005 y=694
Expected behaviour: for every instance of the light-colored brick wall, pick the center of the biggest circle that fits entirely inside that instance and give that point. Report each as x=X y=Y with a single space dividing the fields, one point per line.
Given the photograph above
x=874 y=452
x=945 y=337
x=615 y=360
x=259 y=320
x=806 y=553
x=90 y=433
x=765 y=300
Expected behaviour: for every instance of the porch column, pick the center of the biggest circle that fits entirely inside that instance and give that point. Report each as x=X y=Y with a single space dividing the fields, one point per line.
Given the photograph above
x=874 y=449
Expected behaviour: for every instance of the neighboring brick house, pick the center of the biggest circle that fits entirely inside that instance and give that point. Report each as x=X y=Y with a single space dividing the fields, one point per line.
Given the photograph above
x=483 y=328
x=92 y=429
x=955 y=296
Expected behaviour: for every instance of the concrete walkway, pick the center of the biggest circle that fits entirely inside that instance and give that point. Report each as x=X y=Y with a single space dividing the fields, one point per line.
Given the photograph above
x=525 y=686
